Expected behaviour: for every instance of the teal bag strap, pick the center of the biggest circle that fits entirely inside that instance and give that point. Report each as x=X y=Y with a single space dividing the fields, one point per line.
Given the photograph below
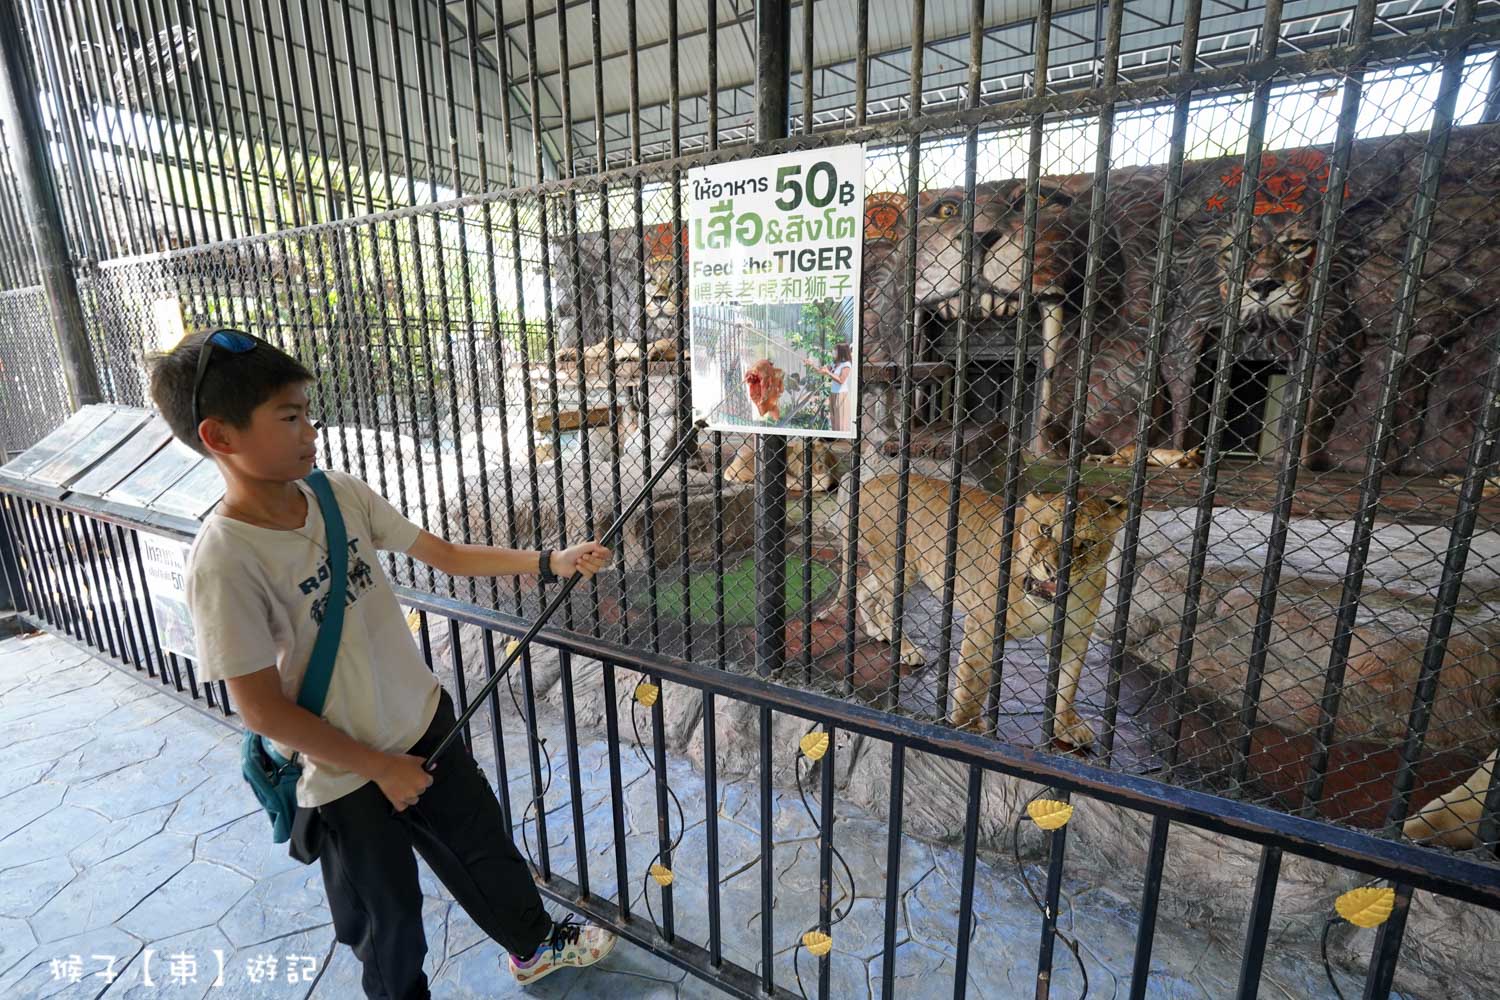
x=326 y=647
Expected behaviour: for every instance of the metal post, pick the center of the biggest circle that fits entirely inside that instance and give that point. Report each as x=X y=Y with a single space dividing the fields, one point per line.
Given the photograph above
x=895 y=810
x=966 y=883
x=773 y=39
x=1382 y=969
x=1145 y=934
x=1254 y=951
x=34 y=182
x=772 y=42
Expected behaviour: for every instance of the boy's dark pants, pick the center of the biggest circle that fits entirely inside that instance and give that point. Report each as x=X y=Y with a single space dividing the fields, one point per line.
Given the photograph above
x=371 y=874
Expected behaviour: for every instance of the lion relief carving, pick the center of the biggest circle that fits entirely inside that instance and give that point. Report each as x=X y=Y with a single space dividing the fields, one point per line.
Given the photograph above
x=998 y=264
x=1269 y=326
x=641 y=295
x=997 y=273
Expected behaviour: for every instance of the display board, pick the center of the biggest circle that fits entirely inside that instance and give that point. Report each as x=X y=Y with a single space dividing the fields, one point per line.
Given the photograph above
x=149 y=438
x=94 y=447
x=195 y=494
x=155 y=476
x=67 y=437
x=774 y=247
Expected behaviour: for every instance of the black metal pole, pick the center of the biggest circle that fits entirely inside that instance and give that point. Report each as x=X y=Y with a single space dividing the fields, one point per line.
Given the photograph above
x=689 y=441
x=1016 y=405
x=1258 y=929
x=773 y=40
x=895 y=810
x=909 y=330
x=1145 y=933
x=966 y=881
x=1085 y=349
x=34 y=182
x=1057 y=843
x=1156 y=335
x=1228 y=318
x=960 y=362
x=88 y=233
x=1387 y=953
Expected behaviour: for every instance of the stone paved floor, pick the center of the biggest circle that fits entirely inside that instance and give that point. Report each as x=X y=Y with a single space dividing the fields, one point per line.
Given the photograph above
x=125 y=831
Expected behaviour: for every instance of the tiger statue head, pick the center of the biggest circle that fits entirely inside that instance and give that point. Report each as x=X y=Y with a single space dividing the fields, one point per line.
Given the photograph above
x=998 y=249
x=1280 y=252
x=1276 y=278
x=1277 y=262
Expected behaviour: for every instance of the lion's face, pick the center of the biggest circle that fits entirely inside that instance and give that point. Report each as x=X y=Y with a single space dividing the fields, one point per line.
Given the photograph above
x=1040 y=548
x=661 y=287
x=999 y=244
x=1278 y=271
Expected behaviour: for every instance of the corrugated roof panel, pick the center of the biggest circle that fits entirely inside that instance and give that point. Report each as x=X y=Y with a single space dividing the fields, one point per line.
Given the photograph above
x=1006 y=49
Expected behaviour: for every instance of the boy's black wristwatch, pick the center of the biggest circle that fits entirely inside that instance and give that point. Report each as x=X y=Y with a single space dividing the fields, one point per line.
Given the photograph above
x=544 y=570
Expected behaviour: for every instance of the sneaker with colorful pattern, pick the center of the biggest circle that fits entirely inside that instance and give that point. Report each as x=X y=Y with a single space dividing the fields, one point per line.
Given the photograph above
x=571 y=945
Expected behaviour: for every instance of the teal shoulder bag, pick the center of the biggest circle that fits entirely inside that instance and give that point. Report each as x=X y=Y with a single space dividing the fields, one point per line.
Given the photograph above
x=272 y=777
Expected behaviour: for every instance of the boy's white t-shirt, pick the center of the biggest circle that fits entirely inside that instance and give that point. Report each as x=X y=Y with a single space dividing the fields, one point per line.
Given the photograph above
x=257 y=595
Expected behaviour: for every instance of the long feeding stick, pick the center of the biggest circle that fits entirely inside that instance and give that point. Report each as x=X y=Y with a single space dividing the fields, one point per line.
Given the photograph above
x=516 y=649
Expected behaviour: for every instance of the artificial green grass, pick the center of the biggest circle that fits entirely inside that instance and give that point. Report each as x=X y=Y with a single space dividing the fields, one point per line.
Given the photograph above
x=739 y=590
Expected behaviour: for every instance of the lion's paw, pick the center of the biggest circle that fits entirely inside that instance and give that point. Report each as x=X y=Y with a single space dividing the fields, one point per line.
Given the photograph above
x=1446 y=823
x=1073 y=731
x=967 y=719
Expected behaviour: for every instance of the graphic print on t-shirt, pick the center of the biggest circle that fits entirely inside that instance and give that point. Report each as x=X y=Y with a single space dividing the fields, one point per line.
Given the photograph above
x=361 y=580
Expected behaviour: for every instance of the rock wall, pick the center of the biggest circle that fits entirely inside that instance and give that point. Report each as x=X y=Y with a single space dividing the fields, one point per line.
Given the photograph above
x=1402 y=575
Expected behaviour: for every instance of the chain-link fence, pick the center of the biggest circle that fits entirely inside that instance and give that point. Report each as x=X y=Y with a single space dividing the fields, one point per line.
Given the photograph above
x=33 y=398
x=1192 y=362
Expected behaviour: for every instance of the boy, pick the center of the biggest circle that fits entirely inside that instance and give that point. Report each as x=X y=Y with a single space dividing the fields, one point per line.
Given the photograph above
x=255 y=577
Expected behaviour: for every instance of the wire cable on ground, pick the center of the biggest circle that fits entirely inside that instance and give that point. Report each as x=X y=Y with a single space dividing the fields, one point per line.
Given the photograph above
x=651 y=866
x=847 y=890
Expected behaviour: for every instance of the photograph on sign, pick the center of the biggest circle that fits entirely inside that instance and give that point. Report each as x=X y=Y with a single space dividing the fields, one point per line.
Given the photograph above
x=774 y=264
x=165 y=561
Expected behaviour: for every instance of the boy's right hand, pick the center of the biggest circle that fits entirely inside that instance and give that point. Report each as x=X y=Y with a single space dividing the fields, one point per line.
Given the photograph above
x=403 y=779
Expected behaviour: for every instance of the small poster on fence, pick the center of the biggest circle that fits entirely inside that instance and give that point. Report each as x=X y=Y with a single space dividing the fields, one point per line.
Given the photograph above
x=774 y=265
x=166 y=579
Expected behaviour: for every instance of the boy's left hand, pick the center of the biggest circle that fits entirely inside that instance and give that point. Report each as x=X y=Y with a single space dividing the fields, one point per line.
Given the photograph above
x=587 y=559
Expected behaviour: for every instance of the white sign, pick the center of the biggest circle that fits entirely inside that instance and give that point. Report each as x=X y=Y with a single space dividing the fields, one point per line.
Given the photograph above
x=773 y=262
x=166 y=580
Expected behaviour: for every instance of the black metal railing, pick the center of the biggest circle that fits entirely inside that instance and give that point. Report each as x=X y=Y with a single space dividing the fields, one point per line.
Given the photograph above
x=84 y=576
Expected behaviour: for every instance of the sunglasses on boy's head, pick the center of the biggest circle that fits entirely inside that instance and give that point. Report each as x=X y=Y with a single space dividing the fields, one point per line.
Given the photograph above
x=231 y=341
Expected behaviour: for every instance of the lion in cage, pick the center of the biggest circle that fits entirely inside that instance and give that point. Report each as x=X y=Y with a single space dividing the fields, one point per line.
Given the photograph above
x=1435 y=399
